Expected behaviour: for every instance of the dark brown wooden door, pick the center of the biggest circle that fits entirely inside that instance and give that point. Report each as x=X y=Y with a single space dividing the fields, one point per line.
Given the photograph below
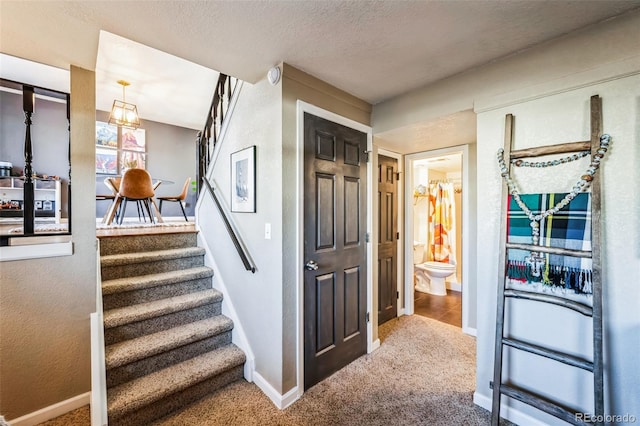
x=387 y=239
x=335 y=293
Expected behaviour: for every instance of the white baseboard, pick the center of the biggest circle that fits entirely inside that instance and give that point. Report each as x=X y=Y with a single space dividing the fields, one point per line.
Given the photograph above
x=52 y=411
x=249 y=368
x=470 y=331
x=280 y=401
x=374 y=345
x=509 y=413
x=454 y=286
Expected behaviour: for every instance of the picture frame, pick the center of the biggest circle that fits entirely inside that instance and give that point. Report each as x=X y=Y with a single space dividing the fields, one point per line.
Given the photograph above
x=106 y=135
x=133 y=140
x=106 y=161
x=243 y=180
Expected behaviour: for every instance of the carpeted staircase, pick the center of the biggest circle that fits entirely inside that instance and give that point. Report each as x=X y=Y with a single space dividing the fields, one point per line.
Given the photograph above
x=167 y=344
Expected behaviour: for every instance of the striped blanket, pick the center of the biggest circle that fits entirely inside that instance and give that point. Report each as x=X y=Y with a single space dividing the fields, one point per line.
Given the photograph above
x=570 y=228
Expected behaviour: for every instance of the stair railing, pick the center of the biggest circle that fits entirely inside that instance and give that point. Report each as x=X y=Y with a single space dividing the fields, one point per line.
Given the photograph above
x=248 y=264
x=208 y=138
x=207 y=141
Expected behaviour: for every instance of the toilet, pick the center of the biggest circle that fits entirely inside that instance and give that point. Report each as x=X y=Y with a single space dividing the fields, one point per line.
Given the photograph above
x=430 y=276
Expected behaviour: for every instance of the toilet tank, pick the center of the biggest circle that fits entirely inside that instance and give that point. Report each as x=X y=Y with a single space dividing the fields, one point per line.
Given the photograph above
x=418 y=252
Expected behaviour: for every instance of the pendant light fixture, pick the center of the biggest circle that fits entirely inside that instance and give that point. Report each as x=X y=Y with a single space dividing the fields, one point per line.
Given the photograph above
x=124 y=114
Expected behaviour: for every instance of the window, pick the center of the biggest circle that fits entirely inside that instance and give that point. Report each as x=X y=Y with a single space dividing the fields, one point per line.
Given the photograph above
x=39 y=205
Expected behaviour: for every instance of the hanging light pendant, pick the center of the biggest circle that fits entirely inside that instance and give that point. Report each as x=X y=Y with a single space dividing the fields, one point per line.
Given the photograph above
x=122 y=113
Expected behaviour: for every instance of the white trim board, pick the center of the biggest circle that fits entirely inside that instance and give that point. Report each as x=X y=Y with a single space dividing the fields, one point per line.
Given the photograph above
x=238 y=335
x=512 y=414
x=52 y=411
x=280 y=401
x=303 y=107
x=35 y=251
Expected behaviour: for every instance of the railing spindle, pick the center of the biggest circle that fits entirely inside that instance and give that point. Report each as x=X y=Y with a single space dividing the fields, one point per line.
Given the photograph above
x=28 y=206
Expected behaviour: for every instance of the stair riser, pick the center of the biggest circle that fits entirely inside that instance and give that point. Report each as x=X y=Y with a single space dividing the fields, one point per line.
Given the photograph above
x=148 y=365
x=153 y=325
x=127 y=298
x=140 y=243
x=174 y=402
x=152 y=267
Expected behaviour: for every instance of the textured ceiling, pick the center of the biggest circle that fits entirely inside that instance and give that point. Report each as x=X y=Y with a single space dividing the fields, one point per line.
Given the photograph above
x=372 y=49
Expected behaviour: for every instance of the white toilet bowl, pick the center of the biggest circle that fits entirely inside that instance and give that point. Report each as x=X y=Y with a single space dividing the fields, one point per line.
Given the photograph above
x=430 y=277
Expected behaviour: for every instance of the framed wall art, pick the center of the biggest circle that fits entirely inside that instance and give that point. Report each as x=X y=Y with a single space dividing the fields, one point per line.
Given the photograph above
x=243 y=180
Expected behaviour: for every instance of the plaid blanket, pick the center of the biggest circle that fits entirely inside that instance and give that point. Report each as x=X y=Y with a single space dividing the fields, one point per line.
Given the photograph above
x=570 y=228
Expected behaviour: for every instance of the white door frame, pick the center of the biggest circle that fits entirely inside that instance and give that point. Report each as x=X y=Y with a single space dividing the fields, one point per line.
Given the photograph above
x=401 y=227
x=468 y=233
x=301 y=108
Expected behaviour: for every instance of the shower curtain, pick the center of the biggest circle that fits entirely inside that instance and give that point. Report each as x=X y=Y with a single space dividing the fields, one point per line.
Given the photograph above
x=442 y=216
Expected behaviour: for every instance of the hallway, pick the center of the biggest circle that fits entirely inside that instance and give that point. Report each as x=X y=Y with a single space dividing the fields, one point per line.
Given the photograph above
x=411 y=372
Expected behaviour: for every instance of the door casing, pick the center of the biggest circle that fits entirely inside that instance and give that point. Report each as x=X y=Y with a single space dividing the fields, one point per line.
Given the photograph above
x=469 y=245
x=301 y=108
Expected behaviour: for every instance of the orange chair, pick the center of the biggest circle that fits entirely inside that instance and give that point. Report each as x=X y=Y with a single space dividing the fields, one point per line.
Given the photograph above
x=178 y=198
x=136 y=186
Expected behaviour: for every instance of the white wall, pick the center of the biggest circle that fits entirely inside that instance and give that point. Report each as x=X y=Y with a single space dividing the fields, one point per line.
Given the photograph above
x=548 y=88
x=257 y=298
x=558 y=118
x=45 y=303
x=607 y=48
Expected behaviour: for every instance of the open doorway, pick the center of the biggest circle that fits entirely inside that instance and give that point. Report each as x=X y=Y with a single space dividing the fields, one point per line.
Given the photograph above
x=438 y=236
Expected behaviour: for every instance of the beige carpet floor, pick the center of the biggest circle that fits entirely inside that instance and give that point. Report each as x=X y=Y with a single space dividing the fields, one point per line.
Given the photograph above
x=422 y=374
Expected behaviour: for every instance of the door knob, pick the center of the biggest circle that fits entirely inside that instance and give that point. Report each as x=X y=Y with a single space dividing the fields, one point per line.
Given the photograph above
x=311 y=265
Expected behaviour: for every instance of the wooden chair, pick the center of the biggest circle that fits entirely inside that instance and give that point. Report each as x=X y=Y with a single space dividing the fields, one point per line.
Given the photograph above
x=178 y=198
x=136 y=186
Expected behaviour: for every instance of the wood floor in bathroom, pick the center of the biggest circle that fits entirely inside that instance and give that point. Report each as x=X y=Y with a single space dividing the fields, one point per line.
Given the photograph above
x=447 y=309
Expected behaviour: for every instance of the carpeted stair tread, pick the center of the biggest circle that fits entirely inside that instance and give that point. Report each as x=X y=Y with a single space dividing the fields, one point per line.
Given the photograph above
x=143 y=311
x=149 y=256
x=138 y=393
x=136 y=349
x=154 y=280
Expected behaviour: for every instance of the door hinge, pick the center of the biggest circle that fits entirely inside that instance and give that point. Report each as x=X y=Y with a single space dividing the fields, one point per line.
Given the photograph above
x=397 y=235
x=367 y=237
x=397 y=295
x=398 y=175
x=367 y=317
x=367 y=156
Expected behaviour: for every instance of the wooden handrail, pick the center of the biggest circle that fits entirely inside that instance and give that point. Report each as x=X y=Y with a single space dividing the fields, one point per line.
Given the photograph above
x=248 y=265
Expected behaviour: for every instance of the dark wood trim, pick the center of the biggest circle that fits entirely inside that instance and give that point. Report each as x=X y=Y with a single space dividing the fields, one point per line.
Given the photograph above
x=549 y=353
x=547 y=298
x=562 y=148
x=550 y=250
x=594 y=311
x=28 y=197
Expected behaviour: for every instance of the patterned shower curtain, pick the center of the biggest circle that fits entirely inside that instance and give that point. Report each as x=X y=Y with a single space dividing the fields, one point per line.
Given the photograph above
x=442 y=216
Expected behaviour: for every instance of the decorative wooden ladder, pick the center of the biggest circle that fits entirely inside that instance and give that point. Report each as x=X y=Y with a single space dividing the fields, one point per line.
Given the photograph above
x=595 y=311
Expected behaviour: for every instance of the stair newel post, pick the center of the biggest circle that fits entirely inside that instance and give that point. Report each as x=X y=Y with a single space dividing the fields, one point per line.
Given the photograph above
x=214 y=130
x=200 y=151
x=28 y=98
x=221 y=97
x=228 y=90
